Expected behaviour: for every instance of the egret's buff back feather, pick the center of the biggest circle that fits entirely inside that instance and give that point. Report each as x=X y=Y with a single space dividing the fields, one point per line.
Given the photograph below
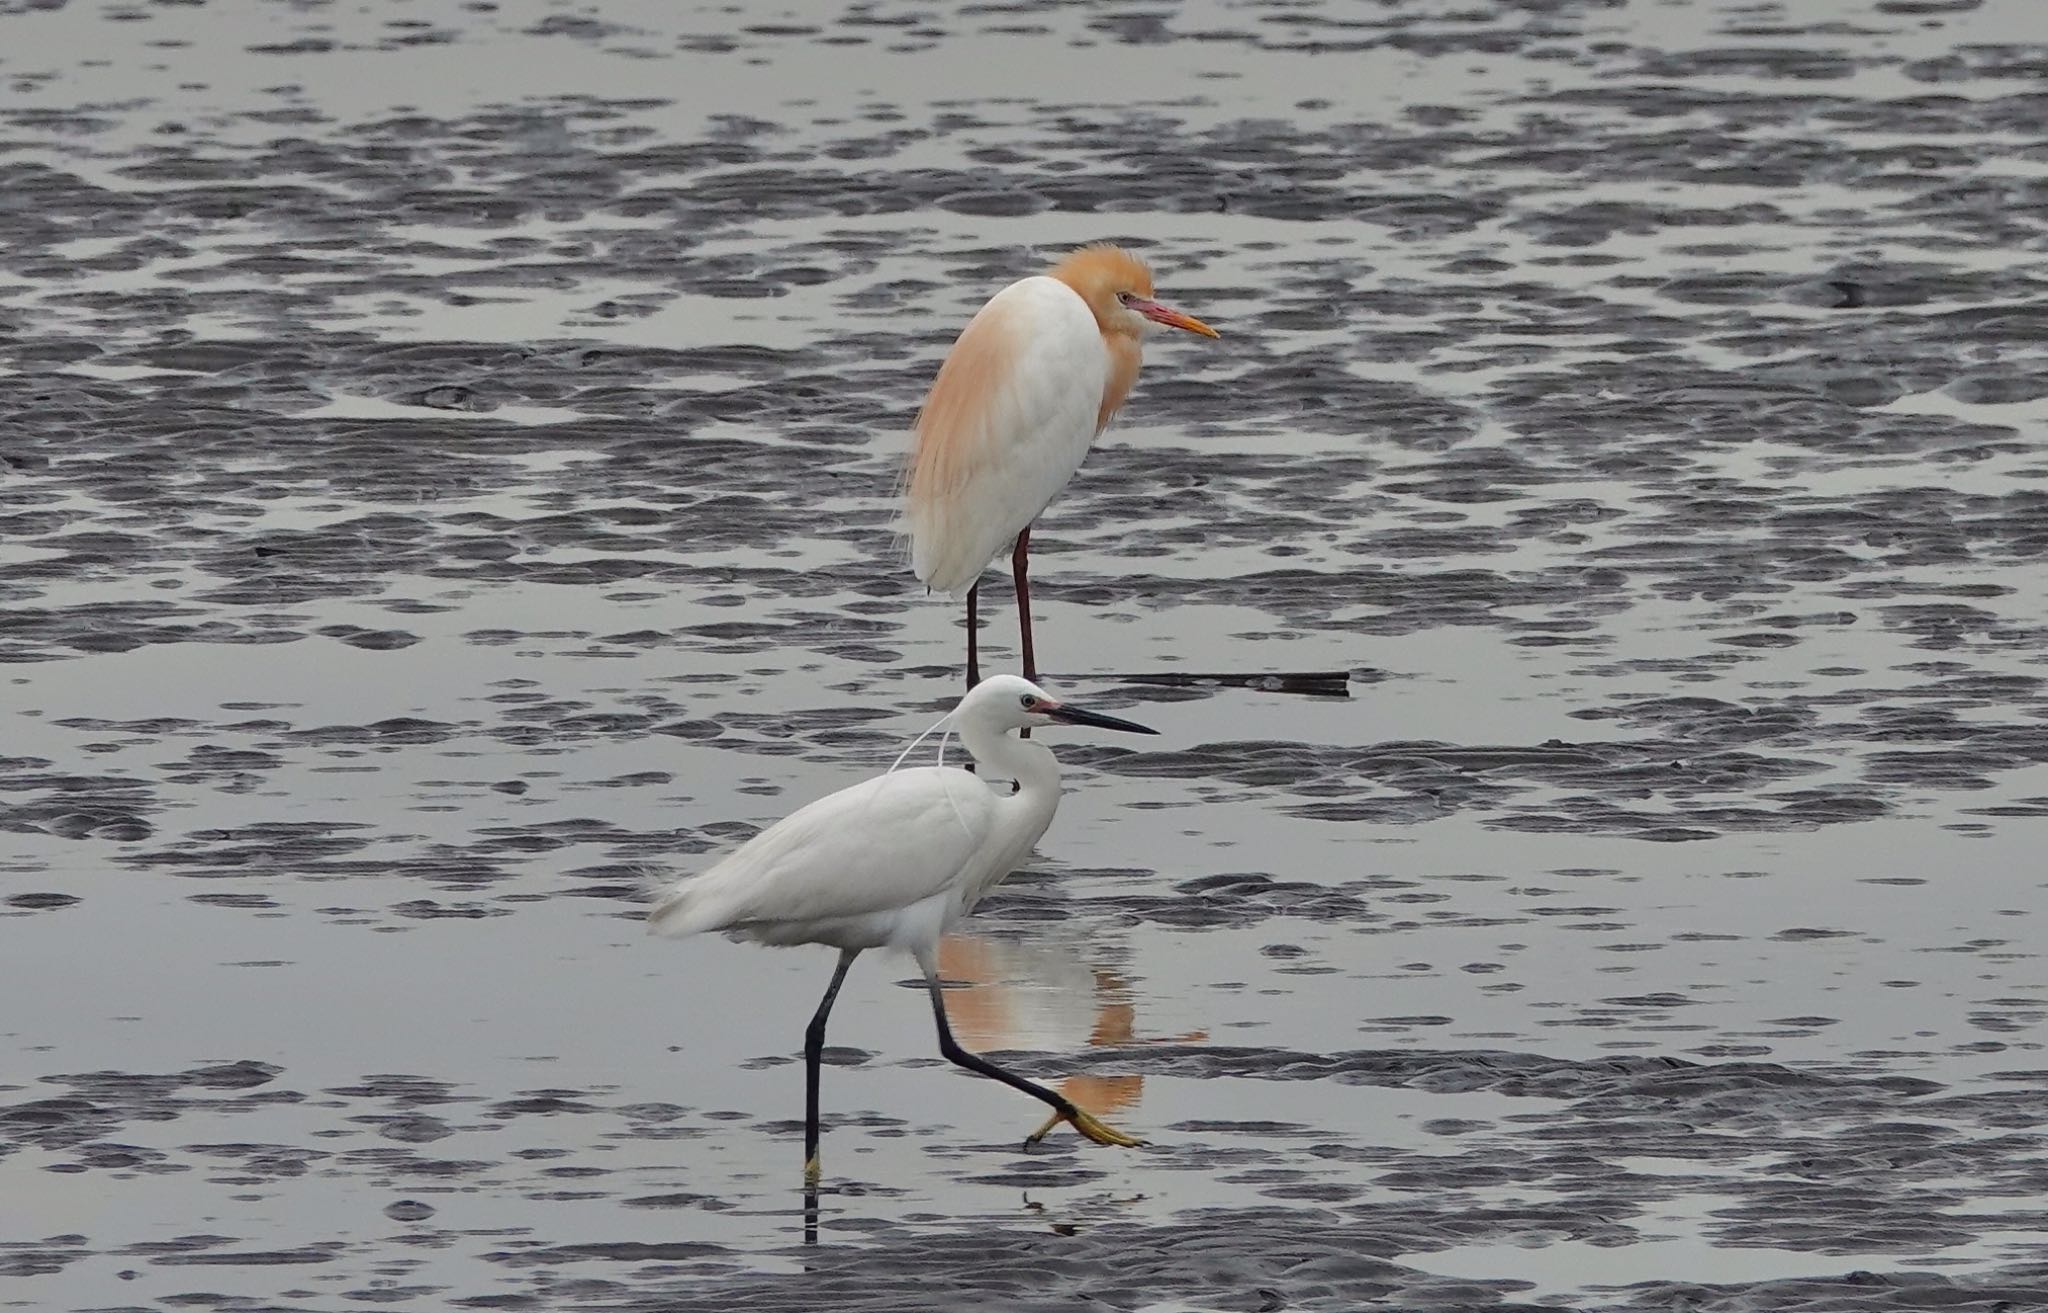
x=956 y=415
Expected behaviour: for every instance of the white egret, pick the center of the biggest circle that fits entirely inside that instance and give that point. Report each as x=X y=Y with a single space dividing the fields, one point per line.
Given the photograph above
x=891 y=863
x=1034 y=378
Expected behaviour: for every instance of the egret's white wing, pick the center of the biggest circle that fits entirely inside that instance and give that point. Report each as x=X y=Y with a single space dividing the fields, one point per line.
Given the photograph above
x=1009 y=419
x=884 y=844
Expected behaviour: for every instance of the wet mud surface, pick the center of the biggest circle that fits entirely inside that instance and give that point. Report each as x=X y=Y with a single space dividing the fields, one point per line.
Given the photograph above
x=446 y=476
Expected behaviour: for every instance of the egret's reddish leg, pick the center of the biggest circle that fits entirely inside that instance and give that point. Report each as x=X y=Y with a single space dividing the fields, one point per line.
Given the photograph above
x=1018 y=561
x=973 y=655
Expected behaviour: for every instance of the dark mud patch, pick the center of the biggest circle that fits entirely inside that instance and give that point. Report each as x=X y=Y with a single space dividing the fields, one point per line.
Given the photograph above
x=1843 y=1164
x=1270 y=1259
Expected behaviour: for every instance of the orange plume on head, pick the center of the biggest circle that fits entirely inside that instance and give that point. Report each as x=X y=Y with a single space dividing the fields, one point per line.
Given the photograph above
x=1097 y=273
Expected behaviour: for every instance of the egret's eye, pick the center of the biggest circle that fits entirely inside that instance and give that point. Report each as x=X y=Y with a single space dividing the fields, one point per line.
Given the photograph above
x=1027 y=702
x=1125 y=298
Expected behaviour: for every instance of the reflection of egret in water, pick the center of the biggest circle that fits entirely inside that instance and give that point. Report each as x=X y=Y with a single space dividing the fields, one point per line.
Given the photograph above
x=1038 y=995
x=1042 y=995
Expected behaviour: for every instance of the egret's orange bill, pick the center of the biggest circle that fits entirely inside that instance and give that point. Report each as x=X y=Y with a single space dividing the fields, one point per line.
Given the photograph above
x=1172 y=318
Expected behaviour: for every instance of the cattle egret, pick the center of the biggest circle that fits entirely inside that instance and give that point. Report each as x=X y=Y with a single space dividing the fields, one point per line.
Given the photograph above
x=891 y=863
x=1035 y=376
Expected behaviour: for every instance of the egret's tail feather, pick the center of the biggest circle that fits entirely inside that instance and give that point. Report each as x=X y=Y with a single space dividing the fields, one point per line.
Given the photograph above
x=682 y=910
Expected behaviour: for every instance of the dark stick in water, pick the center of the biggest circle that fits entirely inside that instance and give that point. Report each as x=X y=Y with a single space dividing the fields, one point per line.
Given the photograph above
x=1325 y=683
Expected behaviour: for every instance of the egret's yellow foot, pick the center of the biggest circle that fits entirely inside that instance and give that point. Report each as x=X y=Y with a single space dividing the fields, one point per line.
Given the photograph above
x=812 y=1171
x=1089 y=1125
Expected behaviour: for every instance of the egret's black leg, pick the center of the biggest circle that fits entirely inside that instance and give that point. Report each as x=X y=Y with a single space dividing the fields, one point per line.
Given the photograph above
x=814 y=1052
x=973 y=651
x=1064 y=1110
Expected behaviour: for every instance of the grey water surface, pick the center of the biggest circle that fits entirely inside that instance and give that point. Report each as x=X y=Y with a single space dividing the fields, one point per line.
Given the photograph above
x=446 y=469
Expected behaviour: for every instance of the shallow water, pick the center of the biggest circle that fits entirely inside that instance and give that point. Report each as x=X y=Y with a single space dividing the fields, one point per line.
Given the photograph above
x=448 y=473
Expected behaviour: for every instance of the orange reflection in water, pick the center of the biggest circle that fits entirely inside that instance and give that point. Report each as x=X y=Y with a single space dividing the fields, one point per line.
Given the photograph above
x=1044 y=996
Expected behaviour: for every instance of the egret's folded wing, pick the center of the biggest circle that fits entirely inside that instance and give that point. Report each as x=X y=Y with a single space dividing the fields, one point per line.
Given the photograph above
x=887 y=843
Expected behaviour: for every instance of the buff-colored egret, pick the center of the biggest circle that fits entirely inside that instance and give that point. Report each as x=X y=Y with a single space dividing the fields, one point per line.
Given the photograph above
x=1034 y=378
x=891 y=863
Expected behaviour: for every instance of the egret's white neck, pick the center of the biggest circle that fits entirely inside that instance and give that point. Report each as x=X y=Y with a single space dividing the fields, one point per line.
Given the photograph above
x=1002 y=755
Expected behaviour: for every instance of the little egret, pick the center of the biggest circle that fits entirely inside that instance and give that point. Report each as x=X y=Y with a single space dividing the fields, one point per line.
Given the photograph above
x=891 y=863
x=1034 y=378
